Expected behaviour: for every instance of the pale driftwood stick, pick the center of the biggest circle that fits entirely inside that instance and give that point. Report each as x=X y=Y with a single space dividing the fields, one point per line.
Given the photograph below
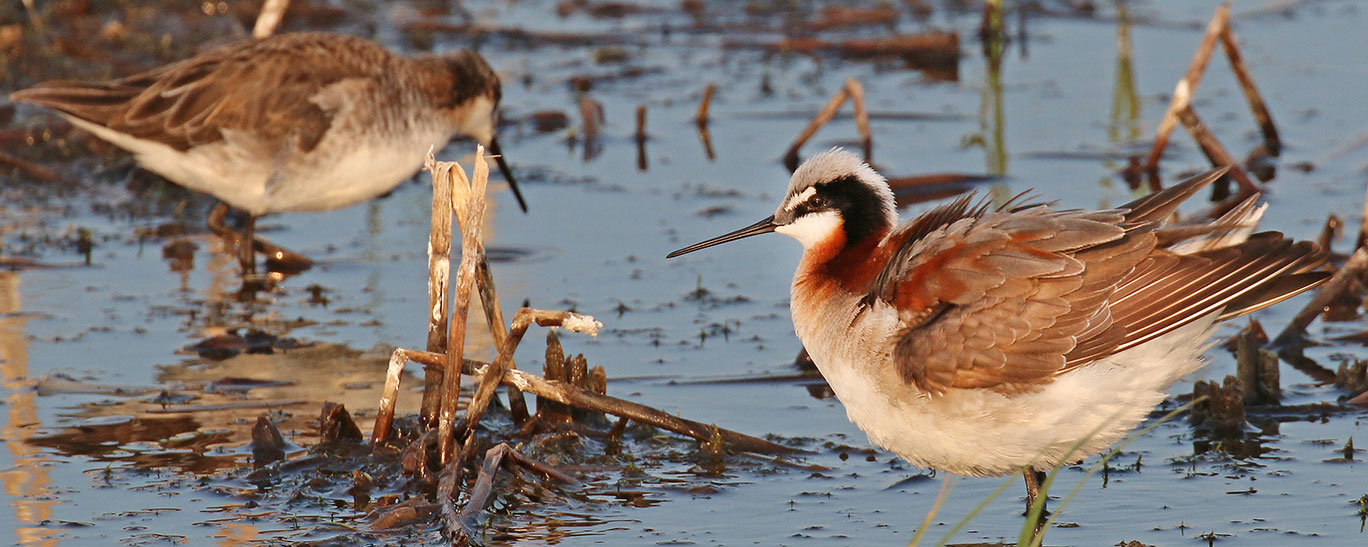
x=468 y=200
x=821 y=119
x=1182 y=93
x=493 y=312
x=272 y=11
x=861 y=117
x=523 y=319
x=1342 y=281
x=576 y=396
x=704 y=105
x=384 y=416
x=1251 y=93
x=1214 y=152
x=439 y=280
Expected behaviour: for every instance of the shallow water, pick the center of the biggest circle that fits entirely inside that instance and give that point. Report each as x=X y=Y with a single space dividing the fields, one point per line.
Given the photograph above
x=1055 y=116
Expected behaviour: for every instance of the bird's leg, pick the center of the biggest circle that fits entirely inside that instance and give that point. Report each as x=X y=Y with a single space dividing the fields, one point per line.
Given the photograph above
x=1034 y=479
x=247 y=246
x=277 y=257
x=241 y=242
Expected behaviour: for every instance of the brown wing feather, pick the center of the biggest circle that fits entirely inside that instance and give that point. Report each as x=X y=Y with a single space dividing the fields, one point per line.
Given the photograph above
x=261 y=86
x=1006 y=301
x=1013 y=292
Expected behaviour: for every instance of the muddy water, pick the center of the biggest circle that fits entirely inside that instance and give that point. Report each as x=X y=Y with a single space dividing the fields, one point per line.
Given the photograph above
x=1058 y=113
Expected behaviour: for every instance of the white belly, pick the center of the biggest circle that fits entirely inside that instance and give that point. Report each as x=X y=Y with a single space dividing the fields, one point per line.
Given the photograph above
x=979 y=432
x=249 y=175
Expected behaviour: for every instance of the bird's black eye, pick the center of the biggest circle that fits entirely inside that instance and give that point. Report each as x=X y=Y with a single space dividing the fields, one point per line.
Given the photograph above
x=817 y=202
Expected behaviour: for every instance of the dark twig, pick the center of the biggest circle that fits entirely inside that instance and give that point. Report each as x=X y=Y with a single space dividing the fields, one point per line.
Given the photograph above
x=1216 y=153
x=1251 y=93
x=578 y=397
x=1331 y=290
x=523 y=319
x=851 y=89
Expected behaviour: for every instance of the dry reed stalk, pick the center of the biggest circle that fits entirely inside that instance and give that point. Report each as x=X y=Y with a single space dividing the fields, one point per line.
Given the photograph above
x=861 y=117
x=523 y=319
x=851 y=89
x=1342 y=281
x=468 y=201
x=493 y=312
x=1256 y=104
x=1215 y=153
x=272 y=12
x=1182 y=92
x=706 y=138
x=564 y=393
x=702 y=117
x=439 y=279
x=642 y=163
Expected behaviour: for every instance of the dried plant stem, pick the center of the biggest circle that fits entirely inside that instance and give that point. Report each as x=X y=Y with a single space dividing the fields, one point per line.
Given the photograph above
x=1182 y=93
x=579 y=397
x=1342 y=281
x=439 y=279
x=1215 y=153
x=272 y=12
x=851 y=89
x=702 y=117
x=468 y=201
x=523 y=319
x=1256 y=104
x=856 y=90
x=641 y=137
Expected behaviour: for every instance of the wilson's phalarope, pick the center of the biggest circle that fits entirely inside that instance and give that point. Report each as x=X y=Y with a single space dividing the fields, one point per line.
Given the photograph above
x=984 y=341
x=293 y=122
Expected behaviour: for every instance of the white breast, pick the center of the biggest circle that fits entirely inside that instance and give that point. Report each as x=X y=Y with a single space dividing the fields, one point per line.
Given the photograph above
x=980 y=432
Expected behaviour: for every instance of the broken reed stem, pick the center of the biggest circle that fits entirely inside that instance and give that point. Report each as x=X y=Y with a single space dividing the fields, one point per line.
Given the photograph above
x=1256 y=104
x=489 y=300
x=439 y=279
x=702 y=117
x=1342 y=281
x=468 y=201
x=821 y=119
x=579 y=397
x=523 y=319
x=1215 y=153
x=493 y=312
x=856 y=90
x=272 y=12
x=1182 y=92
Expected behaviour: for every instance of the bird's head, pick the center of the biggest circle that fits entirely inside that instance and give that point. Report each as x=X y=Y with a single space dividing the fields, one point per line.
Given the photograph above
x=831 y=193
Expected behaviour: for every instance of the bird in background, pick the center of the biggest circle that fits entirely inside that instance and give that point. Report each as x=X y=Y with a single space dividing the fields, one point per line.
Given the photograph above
x=292 y=122
x=985 y=341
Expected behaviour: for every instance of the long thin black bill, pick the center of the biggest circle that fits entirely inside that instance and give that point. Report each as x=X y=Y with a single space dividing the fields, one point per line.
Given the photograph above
x=763 y=227
x=507 y=173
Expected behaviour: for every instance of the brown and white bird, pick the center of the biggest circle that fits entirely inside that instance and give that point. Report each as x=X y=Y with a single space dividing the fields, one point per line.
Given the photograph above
x=987 y=341
x=291 y=122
